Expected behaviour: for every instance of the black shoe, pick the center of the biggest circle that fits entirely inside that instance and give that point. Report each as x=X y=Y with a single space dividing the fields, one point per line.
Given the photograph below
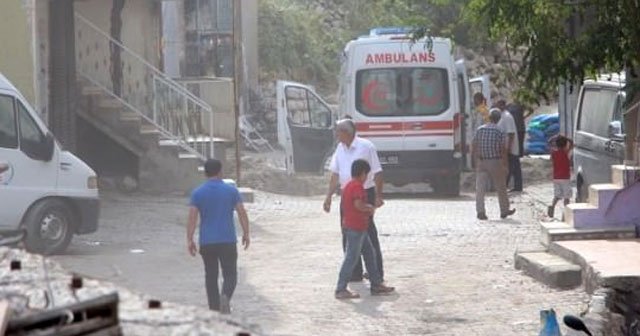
x=382 y=290
x=508 y=213
x=482 y=216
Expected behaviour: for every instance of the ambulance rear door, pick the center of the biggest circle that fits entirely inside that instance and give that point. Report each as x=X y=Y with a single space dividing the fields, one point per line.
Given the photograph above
x=305 y=127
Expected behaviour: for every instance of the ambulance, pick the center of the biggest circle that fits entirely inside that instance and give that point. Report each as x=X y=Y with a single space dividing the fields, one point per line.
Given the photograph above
x=410 y=98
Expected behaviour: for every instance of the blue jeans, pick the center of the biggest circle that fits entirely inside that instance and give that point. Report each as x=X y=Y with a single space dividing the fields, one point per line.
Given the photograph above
x=358 y=242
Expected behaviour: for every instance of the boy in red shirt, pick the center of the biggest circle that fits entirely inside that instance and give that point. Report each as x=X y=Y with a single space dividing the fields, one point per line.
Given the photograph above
x=561 y=172
x=356 y=213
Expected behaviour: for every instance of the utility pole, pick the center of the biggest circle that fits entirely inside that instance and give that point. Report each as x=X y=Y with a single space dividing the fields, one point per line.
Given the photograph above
x=237 y=80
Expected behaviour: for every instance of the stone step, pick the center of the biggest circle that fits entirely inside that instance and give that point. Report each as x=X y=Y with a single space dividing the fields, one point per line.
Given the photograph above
x=149 y=129
x=549 y=269
x=580 y=215
x=622 y=175
x=130 y=116
x=92 y=91
x=559 y=231
x=601 y=195
x=185 y=155
x=108 y=102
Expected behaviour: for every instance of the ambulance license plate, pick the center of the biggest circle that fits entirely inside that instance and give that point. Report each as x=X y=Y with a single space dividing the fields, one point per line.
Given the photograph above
x=389 y=159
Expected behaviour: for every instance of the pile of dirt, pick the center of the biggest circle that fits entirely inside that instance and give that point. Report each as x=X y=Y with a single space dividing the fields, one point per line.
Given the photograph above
x=261 y=173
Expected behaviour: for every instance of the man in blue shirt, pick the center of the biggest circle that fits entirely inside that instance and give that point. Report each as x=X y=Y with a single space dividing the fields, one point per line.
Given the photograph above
x=214 y=202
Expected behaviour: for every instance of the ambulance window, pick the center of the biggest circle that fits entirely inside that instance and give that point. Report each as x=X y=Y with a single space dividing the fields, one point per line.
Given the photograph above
x=8 y=130
x=297 y=106
x=320 y=113
x=30 y=135
x=402 y=91
x=596 y=109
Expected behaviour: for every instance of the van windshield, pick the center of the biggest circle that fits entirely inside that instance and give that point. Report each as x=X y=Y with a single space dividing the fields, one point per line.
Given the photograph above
x=402 y=91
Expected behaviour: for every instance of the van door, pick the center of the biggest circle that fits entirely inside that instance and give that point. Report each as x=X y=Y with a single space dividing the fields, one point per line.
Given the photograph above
x=595 y=150
x=305 y=127
x=23 y=179
x=465 y=119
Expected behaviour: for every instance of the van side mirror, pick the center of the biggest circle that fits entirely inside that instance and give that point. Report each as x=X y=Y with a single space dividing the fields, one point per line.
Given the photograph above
x=41 y=151
x=615 y=131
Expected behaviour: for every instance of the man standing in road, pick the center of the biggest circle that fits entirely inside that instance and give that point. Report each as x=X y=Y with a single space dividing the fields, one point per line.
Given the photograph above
x=508 y=125
x=214 y=202
x=350 y=149
x=490 y=160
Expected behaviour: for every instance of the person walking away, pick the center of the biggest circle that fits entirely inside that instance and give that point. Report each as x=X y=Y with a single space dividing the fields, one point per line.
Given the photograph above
x=350 y=148
x=508 y=125
x=213 y=203
x=561 y=171
x=355 y=221
x=490 y=160
x=517 y=111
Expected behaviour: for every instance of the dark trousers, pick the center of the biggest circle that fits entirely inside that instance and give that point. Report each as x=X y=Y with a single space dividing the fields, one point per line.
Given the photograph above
x=217 y=256
x=373 y=236
x=515 y=171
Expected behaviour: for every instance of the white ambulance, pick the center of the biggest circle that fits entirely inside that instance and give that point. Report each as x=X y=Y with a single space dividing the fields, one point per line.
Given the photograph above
x=46 y=193
x=411 y=99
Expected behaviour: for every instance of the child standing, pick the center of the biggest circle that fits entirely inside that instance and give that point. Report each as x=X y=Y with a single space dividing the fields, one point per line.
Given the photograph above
x=561 y=172
x=354 y=225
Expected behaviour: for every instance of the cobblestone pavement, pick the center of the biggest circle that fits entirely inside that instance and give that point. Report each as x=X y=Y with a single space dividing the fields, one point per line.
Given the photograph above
x=454 y=275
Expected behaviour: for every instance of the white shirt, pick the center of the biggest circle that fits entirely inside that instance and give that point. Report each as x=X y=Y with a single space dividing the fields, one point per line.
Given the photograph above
x=344 y=156
x=508 y=125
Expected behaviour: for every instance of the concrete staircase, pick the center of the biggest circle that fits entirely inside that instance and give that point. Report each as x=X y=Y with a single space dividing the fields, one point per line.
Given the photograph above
x=599 y=219
x=612 y=214
x=163 y=166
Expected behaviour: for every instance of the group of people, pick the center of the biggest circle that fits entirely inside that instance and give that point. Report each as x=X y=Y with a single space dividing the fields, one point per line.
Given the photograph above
x=496 y=150
x=356 y=170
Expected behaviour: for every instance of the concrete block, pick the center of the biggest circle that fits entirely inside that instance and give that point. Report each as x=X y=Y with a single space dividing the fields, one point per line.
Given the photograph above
x=549 y=269
x=621 y=174
x=557 y=231
x=601 y=195
x=583 y=215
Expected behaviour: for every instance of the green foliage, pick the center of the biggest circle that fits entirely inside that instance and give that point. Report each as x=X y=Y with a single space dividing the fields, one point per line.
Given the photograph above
x=302 y=43
x=607 y=40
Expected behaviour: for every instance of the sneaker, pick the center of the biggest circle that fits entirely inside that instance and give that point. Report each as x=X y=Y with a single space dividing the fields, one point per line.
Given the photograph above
x=382 y=290
x=508 y=213
x=550 y=211
x=225 y=308
x=482 y=216
x=346 y=295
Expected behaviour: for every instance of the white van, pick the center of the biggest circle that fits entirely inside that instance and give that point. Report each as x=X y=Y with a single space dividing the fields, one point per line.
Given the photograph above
x=412 y=100
x=599 y=131
x=45 y=192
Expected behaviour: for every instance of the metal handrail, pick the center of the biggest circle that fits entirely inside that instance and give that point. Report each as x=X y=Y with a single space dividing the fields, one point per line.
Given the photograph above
x=178 y=114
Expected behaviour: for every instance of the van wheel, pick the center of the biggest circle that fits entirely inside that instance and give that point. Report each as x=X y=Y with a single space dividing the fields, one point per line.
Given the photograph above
x=50 y=226
x=582 y=192
x=447 y=186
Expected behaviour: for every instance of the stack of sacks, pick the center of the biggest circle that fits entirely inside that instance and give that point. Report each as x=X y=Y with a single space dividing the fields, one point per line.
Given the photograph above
x=541 y=128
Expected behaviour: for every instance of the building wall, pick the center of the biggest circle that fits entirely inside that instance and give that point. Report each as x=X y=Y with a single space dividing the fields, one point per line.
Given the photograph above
x=140 y=34
x=16 y=53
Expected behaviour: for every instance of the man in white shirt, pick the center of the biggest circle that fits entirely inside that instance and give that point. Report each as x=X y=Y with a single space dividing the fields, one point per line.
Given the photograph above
x=508 y=125
x=351 y=148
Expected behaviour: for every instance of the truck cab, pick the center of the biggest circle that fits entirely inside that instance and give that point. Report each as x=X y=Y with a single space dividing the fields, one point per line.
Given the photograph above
x=46 y=193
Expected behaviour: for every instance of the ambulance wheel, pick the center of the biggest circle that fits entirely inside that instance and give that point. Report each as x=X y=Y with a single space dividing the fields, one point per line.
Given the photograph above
x=49 y=226
x=448 y=186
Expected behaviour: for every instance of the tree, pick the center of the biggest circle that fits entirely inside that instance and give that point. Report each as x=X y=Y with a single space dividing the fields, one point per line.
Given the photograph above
x=605 y=38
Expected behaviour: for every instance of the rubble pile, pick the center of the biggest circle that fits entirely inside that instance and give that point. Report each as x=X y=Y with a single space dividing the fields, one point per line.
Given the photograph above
x=41 y=284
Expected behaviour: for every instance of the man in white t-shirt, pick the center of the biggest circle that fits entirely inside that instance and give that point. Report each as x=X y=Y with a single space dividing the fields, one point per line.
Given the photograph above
x=508 y=125
x=349 y=149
